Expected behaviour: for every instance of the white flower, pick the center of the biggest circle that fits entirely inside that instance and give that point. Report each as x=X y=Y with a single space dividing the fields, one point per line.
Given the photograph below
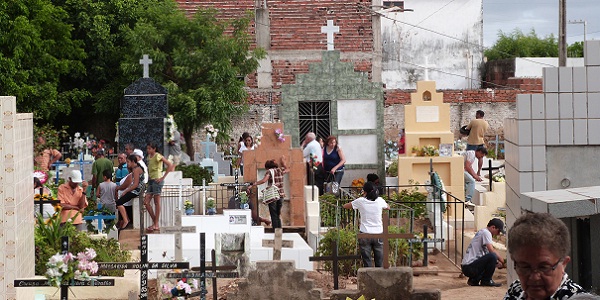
x=77 y=134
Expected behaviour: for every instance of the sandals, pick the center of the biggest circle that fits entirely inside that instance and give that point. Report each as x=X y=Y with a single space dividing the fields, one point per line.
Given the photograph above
x=123 y=225
x=150 y=229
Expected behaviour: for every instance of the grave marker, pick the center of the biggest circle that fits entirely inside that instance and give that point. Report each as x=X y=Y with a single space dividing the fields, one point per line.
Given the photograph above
x=277 y=244
x=64 y=288
x=177 y=230
x=334 y=258
x=100 y=218
x=143 y=266
x=385 y=236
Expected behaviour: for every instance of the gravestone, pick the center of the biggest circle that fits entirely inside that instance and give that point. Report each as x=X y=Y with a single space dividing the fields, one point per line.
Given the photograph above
x=234 y=250
x=208 y=163
x=277 y=243
x=144 y=109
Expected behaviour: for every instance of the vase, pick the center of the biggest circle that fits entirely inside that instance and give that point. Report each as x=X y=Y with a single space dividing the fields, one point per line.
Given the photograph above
x=244 y=206
x=189 y=211
x=211 y=211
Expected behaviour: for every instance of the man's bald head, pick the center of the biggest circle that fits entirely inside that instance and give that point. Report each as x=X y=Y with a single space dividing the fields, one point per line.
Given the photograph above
x=310 y=137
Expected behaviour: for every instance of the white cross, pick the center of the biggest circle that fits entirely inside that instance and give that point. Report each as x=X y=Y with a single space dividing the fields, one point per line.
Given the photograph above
x=146 y=62
x=330 y=30
x=427 y=66
x=177 y=230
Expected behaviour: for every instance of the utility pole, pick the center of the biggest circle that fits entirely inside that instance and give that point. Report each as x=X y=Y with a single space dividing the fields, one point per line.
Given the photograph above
x=562 y=33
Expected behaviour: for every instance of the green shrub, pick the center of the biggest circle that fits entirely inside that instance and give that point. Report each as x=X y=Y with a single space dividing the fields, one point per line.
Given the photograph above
x=392 y=170
x=413 y=199
x=347 y=245
x=196 y=172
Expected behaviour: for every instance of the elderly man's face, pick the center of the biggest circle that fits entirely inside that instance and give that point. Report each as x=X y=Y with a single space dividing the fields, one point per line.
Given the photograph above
x=540 y=271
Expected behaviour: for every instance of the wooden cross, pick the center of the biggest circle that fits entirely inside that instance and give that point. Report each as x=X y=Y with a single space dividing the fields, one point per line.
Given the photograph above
x=330 y=30
x=146 y=62
x=335 y=259
x=198 y=273
x=386 y=236
x=277 y=244
x=177 y=230
x=64 y=287
x=143 y=266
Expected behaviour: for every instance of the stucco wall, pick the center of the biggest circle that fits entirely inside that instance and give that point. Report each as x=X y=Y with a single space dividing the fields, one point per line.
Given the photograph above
x=406 y=47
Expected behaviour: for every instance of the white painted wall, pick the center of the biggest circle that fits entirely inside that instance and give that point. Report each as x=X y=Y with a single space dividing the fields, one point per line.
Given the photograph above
x=533 y=66
x=406 y=47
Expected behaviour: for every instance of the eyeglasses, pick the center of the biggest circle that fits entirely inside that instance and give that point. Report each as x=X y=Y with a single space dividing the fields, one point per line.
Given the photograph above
x=543 y=269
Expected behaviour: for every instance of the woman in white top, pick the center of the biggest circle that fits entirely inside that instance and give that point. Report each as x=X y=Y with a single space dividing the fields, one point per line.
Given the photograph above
x=370 y=206
x=246 y=143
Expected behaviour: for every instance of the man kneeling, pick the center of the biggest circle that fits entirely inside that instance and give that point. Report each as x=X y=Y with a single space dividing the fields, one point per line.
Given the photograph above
x=481 y=259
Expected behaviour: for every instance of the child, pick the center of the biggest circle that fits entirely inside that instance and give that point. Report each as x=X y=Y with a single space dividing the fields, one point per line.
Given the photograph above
x=106 y=192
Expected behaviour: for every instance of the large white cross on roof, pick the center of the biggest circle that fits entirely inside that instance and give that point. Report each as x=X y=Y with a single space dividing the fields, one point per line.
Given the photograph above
x=146 y=62
x=330 y=30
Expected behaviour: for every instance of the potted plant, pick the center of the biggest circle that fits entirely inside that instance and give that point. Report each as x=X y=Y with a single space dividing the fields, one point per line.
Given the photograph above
x=211 y=207
x=244 y=200
x=189 y=207
x=414 y=150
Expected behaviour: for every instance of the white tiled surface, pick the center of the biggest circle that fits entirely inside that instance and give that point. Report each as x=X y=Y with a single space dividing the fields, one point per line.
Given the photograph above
x=158 y=244
x=580 y=132
x=524 y=131
x=550 y=79
x=579 y=79
x=593 y=79
x=538 y=132
x=525 y=158
x=565 y=105
x=592 y=53
x=524 y=106
x=565 y=79
x=552 y=132
x=16 y=201
x=593 y=102
x=539 y=158
x=580 y=105
x=537 y=106
x=551 y=105
x=539 y=181
x=566 y=132
x=526 y=181
x=594 y=138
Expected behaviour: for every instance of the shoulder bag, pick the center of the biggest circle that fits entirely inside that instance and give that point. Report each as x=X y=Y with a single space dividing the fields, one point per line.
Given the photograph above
x=271 y=193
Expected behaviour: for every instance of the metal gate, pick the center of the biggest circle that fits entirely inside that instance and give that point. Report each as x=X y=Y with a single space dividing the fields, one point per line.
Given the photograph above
x=314 y=117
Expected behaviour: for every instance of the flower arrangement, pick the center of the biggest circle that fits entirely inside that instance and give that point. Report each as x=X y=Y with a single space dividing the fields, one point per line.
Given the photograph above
x=279 y=134
x=391 y=149
x=63 y=268
x=78 y=142
x=358 y=184
x=313 y=161
x=243 y=197
x=187 y=204
x=430 y=150
x=211 y=130
x=499 y=176
x=257 y=140
x=41 y=175
x=460 y=145
x=181 y=288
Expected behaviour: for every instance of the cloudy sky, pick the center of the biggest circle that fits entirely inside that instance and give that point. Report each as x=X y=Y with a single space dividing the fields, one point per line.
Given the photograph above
x=542 y=15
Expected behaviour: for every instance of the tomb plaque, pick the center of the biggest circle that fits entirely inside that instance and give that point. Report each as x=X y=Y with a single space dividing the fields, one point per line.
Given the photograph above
x=428 y=114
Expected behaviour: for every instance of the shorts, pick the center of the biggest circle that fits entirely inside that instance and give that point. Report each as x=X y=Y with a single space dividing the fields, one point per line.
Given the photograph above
x=154 y=187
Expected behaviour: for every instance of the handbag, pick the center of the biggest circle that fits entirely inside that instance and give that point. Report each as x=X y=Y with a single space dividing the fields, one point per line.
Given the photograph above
x=332 y=187
x=271 y=193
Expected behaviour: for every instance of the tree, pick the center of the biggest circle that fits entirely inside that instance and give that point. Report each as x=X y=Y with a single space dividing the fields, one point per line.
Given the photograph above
x=517 y=44
x=201 y=60
x=36 y=54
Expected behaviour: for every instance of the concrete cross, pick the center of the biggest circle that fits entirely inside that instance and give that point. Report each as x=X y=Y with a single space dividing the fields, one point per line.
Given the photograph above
x=386 y=236
x=427 y=66
x=330 y=30
x=277 y=244
x=146 y=62
x=177 y=230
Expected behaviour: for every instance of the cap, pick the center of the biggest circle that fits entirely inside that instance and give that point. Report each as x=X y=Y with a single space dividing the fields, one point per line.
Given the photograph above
x=368 y=187
x=498 y=224
x=139 y=153
x=75 y=176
